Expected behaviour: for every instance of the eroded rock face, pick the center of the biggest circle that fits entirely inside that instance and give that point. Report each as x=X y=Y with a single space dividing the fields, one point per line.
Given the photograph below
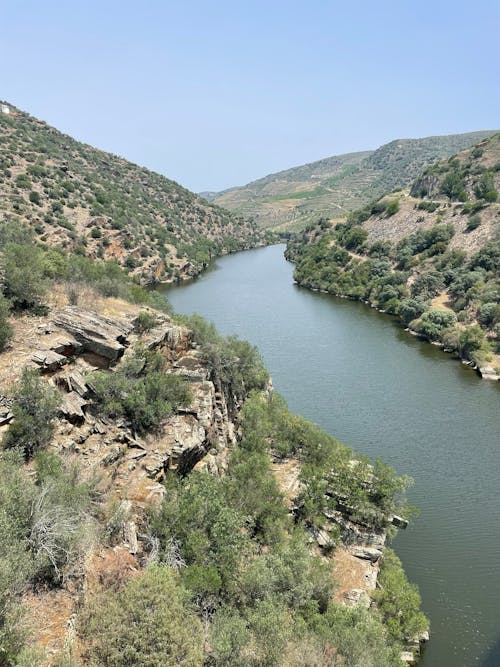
x=104 y=336
x=199 y=435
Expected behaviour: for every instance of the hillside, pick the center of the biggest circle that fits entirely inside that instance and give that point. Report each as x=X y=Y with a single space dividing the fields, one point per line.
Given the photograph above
x=100 y=205
x=430 y=255
x=160 y=505
x=291 y=199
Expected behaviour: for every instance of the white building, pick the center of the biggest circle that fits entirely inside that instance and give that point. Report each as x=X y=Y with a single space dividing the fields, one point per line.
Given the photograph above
x=5 y=108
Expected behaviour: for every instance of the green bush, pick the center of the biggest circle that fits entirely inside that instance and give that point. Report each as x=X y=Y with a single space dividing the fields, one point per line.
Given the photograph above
x=145 y=321
x=34 y=407
x=139 y=390
x=453 y=186
x=35 y=198
x=148 y=624
x=399 y=601
x=24 y=279
x=6 y=330
x=392 y=207
x=233 y=362
x=473 y=222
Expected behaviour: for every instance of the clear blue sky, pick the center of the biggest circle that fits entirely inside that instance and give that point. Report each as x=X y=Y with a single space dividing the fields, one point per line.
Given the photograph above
x=215 y=94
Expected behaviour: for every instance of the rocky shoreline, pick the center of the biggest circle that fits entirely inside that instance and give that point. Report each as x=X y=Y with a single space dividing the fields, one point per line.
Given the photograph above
x=354 y=549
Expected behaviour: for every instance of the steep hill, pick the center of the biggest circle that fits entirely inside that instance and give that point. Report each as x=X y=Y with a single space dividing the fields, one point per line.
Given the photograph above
x=100 y=205
x=430 y=255
x=291 y=199
x=146 y=466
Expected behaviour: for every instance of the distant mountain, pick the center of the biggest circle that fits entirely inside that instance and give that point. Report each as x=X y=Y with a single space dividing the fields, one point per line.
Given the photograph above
x=100 y=205
x=291 y=199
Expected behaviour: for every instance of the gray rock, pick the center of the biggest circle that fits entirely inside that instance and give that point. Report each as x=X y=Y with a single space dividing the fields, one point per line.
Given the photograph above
x=48 y=360
x=489 y=373
x=367 y=553
x=399 y=522
x=104 y=336
x=73 y=381
x=72 y=407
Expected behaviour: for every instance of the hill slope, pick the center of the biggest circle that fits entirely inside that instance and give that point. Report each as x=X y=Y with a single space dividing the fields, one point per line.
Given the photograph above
x=293 y=198
x=430 y=255
x=101 y=205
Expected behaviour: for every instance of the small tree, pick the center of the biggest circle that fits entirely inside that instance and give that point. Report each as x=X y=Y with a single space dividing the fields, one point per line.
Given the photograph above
x=24 y=276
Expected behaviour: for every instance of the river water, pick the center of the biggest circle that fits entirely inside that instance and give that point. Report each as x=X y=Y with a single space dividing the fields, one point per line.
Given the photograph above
x=373 y=386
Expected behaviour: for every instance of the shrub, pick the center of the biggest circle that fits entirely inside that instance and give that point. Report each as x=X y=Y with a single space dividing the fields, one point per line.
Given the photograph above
x=6 y=330
x=473 y=222
x=34 y=408
x=23 y=181
x=140 y=391
x=410 y=309
x=34 y=197
x=428 y=206
x=471 y=340
x=392 y=207
x=149 y=623
x=24 y=280
x=453 y=186
x=399 y=601
x=145 y=321
x=489 y=314
x=432 y=323
x=485 y=189
x=427 y=285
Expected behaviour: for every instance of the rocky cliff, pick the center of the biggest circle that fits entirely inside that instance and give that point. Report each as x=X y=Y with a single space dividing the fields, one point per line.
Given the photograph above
x=127 y=466
x=65 y=348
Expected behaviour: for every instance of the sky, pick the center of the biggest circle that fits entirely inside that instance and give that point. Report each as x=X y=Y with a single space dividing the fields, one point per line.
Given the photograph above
x=216 y=94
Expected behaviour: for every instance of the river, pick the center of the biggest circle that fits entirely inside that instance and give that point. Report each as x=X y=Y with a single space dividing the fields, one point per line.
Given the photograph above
x=373 y=386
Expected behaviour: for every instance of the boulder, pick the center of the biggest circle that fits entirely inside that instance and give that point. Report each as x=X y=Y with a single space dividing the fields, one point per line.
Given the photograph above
x=367 y=553
x=5 y=416
x=48 y=360
x=190 y=369
x=104 y=336
x=399 y=522
x=408 y=657
x=357 y=597
x=73 y=381
x=489 y=373
x=72 y=407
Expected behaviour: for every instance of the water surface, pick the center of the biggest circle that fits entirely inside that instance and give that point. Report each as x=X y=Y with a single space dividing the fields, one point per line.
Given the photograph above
x=373 y=386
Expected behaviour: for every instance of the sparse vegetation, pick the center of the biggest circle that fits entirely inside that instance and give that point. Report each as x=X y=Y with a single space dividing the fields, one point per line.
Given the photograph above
x=341 y=183
x=73 y=196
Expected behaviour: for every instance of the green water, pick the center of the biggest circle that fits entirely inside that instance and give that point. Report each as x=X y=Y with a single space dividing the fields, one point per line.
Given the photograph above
x=378 y=389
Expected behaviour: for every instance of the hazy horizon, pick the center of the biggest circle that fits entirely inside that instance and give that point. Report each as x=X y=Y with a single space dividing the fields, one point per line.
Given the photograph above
x=218 y=96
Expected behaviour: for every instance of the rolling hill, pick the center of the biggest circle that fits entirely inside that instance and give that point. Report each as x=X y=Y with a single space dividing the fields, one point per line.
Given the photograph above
x=291 y=199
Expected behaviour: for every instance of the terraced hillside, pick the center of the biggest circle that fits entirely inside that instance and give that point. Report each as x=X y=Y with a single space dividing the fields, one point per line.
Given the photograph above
x=291 y=199
x=430 y=255
x=97 y=204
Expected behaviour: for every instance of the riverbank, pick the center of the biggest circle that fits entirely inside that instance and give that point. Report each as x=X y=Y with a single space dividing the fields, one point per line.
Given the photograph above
x=486 y=371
